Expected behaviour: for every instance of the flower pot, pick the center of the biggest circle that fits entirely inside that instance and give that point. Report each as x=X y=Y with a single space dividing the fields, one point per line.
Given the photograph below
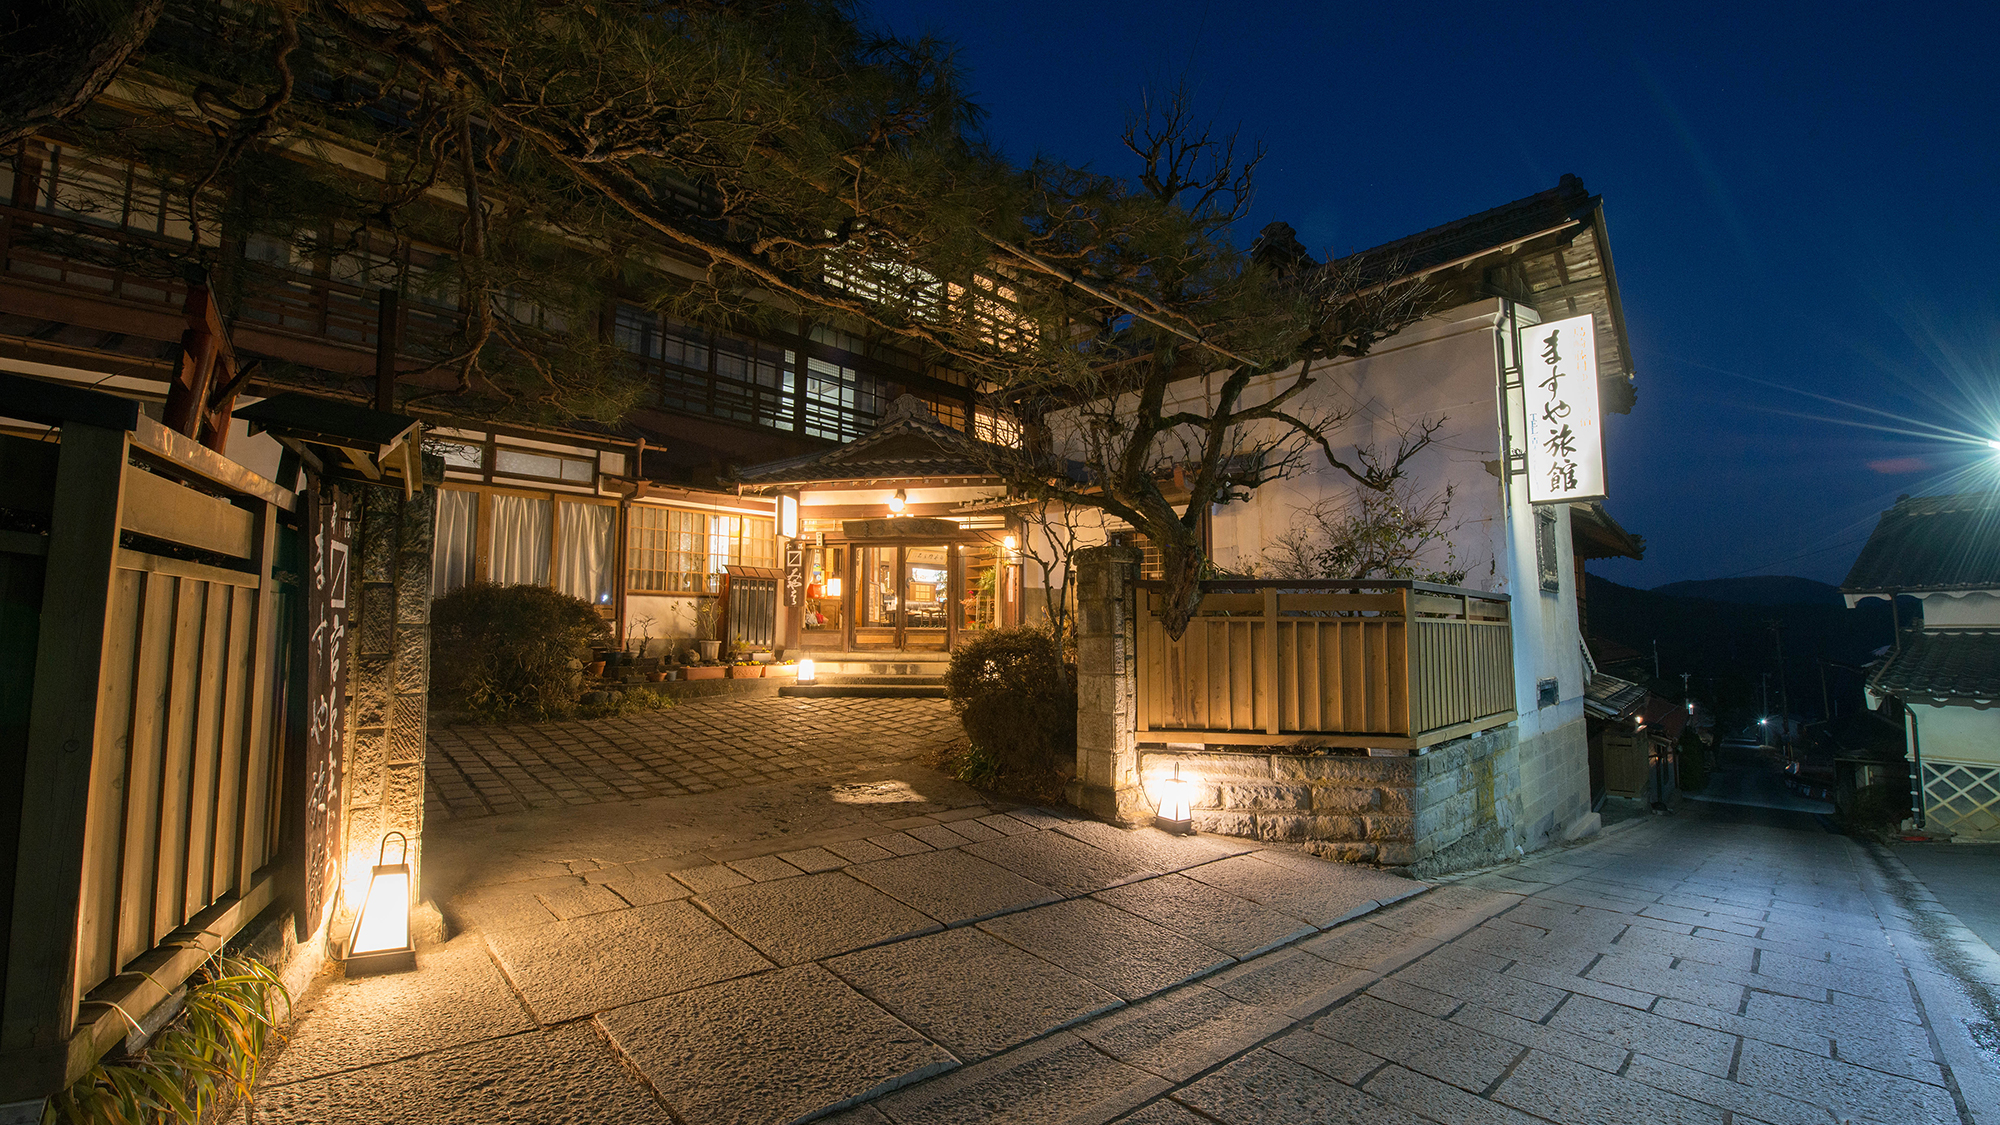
x=709 y=649
x=597 y=668
x=656 y=677
x=775 y=671
x=746 y=671
x=706 y=672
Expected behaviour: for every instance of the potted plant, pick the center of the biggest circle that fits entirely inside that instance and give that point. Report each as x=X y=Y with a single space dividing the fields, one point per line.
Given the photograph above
x=786 y=668
x=706 y=671
x=644 y=623
x=746 y=670
x=704 y=629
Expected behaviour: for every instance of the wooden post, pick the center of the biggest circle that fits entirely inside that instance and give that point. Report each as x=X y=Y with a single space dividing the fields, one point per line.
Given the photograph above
x=1273 y=694
x=385 y=350
x=40 y=1011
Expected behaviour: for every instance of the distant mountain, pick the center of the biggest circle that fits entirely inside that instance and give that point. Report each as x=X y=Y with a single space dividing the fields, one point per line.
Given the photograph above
x=1728 y=643
x=1763 y=589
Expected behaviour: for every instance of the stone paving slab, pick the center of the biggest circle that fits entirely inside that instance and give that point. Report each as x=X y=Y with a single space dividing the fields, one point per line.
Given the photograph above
x=1121 y=952
x=456 y=996
x=970 y=992
x=953 y=886
x=813 y=916
x=1215 y=918
x=569 y=969
x=558 y=1074
x=770 y=1048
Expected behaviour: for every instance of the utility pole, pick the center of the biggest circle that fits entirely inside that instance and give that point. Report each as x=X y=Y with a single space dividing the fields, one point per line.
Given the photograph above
x=1784 y=688
x=1656 y=658
x=1687 y=693
x=1764 y=732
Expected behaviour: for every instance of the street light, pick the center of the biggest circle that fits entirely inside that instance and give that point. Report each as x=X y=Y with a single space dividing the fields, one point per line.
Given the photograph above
x=897 y=501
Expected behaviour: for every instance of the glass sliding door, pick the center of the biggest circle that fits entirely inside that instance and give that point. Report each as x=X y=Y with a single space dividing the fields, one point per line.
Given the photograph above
x=926 y=596
x=876 y=598
x=980 y=588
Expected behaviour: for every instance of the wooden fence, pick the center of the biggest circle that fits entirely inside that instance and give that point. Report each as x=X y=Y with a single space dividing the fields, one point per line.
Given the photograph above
x=1388 y=664
x=142 y=720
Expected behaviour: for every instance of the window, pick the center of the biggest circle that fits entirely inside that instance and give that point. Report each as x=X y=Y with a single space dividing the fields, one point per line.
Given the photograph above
x=1547 y=559
x=544 y=466
x=671 y=551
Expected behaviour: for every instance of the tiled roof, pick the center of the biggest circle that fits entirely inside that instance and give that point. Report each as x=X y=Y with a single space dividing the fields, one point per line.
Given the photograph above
x=910 y=442
x=1931 y=543
x=1942 y=665
x=1565 y=203
x=1608 y=697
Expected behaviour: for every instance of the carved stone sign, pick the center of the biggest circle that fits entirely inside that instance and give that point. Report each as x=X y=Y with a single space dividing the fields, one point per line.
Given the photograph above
x=329 y=532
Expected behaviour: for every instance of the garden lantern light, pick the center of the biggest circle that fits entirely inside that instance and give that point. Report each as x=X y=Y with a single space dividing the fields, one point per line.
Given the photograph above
x=381 y=941
x=806 y=669
x=1175 y=812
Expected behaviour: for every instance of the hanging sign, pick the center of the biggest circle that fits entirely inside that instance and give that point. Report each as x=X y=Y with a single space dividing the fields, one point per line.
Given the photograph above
x=795 y=572
x=328 y=533
x=1565 y=431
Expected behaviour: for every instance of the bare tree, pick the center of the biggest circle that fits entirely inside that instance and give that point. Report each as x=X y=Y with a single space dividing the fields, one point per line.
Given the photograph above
x=1172 y=371
x=1386 y=533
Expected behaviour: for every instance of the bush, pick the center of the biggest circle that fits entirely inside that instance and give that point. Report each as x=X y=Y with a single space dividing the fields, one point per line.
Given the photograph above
x=504 y=652
x=1016 y=699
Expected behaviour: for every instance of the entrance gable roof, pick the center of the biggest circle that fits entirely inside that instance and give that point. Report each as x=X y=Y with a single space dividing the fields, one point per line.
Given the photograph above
x=910 y=443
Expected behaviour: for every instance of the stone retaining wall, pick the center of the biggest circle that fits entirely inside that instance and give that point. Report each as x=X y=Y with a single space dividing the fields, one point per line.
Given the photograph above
x=1453 y=805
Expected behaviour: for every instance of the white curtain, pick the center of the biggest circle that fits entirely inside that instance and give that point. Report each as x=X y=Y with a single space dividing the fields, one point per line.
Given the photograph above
x=456 y=540
x=583 y=565
x=520 y=542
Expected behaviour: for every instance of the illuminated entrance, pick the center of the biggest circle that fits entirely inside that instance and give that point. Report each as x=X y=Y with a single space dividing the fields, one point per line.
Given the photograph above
x=908 y=596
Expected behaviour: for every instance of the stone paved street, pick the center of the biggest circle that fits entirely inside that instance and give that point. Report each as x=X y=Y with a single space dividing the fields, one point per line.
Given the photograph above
x=1728 y=966
x=884 y=946
x=695 y=747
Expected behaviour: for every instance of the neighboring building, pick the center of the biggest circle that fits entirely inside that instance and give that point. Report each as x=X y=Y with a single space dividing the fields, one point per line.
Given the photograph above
x=1945 y=552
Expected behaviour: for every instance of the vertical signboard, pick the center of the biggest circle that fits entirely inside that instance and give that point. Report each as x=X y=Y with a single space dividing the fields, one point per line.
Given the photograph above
x=328 y=535
x=795 y=572
x=1565 y=431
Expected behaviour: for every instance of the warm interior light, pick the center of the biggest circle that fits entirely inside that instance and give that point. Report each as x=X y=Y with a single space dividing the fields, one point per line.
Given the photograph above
x=833 y=587
x=897 y=501
x=806 y=669
x=382 y=931
x=1009 y=543
x=1176 y=813
x=788 y=517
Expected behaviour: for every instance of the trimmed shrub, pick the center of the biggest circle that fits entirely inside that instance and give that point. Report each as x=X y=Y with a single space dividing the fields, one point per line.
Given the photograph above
x=504 y=652
x=1016 y=699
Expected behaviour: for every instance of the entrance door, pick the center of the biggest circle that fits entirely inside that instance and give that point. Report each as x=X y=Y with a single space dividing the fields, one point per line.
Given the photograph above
x=926 y=597
x=902 y=597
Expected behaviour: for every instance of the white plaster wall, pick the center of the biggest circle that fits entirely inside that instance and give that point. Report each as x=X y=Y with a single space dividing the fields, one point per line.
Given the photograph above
x=673 y=617
x=1959 y=734
x=1449 y=367
x=1943 y=611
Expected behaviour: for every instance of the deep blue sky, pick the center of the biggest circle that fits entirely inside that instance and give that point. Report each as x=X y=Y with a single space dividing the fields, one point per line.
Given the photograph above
x=1802 y=201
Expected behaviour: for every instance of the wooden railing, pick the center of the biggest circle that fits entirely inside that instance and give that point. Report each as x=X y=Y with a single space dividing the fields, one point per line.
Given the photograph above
x=1384 y=664
x=142 y=720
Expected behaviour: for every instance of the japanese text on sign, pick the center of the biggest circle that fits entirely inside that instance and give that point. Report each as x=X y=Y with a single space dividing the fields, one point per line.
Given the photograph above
x=795 y=565
x=1565 y=443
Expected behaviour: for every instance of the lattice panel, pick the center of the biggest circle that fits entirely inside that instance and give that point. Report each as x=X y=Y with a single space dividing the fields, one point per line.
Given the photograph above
x=1963 y=798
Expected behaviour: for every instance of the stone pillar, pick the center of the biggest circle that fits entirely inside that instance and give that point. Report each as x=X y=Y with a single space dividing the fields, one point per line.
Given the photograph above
x=1107 y=644
x=389 y=678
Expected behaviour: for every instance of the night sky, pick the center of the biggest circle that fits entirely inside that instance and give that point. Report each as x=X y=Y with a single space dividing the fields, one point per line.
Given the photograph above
x=1801 y=202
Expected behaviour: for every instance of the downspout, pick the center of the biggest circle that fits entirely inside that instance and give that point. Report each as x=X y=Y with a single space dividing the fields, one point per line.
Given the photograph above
x=1917 y=756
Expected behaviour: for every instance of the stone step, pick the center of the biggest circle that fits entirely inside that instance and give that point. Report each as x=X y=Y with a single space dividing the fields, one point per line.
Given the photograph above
x=824 y=668
x=857 y=678
x=862 y=690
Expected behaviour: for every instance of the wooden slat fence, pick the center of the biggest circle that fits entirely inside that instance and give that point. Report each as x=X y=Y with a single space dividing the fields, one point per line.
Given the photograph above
x=150 y=753
x=1389 y=664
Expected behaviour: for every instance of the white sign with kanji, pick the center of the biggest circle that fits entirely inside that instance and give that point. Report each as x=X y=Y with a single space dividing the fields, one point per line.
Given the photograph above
x=1565 y=430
